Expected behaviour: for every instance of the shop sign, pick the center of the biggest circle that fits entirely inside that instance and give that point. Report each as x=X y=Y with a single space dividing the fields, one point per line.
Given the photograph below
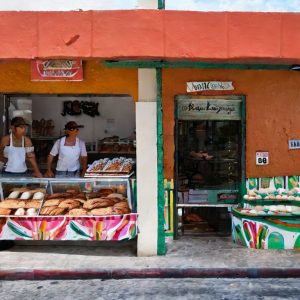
x=294 y=144
x=209 y=109
x=200 y=86
x=56 y=70
x=262 y=158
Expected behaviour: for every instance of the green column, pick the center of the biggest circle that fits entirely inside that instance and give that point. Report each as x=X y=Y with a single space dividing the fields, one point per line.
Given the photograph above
x=161 y=246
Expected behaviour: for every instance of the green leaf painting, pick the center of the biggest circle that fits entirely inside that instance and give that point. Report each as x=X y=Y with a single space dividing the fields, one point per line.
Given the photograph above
x=239 y=237
x=75 y=228
x=276 y=241
x=297 y=243
x=17 y=230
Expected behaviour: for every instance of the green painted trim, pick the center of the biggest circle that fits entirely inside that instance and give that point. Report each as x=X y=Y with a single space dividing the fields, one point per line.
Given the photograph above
x=243 y=189
x=161 y=243
x=161 y=4
x=191 y=64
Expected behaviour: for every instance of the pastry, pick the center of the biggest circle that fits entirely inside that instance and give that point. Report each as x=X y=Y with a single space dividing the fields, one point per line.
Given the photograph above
x=38 y=196
x=98 y=202
x=5 y=211
x=121 y=211
x=20 y=212
x=31 y=212
x=80 y=196
x=79 y=199
x=94 y=195
x=14 y=195
x=60 y=195
x=77 y=212
x=106 y=191
x=115 y=200
x=57 y=211
x=26 y=195
x=33 y=204
x=69 y=204
x=101 y=211
x=115 y=195
x=12 y=203
x=52 y=202
x=46 y=210
x=121 y=204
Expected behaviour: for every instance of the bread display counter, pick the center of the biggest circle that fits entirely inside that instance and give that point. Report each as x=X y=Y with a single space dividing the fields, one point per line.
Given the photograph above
x=268 y=218
x=74 y=209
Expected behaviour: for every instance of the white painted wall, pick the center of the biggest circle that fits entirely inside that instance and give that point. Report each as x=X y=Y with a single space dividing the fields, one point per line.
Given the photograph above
x=147 y=85
x=119 y=109
x=67 y=5
x=146 y=156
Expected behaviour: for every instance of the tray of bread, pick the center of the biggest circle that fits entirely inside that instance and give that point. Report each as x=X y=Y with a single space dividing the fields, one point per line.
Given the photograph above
x=23 y=202
x=105 y=201
x=115 y=166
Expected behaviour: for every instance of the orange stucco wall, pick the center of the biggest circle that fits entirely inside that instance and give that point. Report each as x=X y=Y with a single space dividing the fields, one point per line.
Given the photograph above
x=272 y=114
x=148 y=34
x=15 y=78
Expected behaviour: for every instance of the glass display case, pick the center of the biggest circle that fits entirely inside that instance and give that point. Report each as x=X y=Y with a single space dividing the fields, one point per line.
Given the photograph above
x=68 y=209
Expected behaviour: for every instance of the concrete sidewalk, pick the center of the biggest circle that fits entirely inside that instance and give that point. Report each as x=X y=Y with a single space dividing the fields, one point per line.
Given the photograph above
x=186 y=257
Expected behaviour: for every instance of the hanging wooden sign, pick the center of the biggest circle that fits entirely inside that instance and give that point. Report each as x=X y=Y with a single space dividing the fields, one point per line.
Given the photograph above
x=56 y=70
x=200 y=86
x=209 y=109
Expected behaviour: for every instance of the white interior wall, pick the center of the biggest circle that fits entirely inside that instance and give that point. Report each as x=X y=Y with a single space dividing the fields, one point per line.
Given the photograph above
x=117 y=115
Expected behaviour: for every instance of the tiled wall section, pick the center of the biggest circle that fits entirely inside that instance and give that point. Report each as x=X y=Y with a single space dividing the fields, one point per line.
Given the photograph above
x=285 y=182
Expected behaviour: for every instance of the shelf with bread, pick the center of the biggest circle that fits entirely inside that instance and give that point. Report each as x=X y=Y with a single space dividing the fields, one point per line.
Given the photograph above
x=115 y=167
x=268 y=215
x=89 y=209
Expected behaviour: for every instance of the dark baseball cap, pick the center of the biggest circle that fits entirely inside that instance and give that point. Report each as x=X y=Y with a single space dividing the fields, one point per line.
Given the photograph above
x=72 y=125
x=18 y=121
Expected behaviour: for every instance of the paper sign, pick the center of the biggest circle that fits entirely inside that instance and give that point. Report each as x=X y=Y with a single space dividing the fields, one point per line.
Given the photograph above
x=200 y=86
x=262 y=158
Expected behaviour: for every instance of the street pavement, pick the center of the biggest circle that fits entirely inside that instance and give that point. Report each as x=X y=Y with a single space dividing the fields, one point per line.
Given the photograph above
x=161 y=289
x=188 y=257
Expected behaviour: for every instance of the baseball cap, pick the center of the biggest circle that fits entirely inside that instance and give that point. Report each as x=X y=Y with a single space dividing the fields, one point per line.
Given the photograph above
x=18 y=121
x=72 y=125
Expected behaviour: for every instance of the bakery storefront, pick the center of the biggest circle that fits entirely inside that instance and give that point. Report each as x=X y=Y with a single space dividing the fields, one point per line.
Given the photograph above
x=234 y=140
x=101 y=204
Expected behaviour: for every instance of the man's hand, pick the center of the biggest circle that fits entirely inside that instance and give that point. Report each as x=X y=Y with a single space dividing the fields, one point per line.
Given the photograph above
x=49 y=174
x=37 y=174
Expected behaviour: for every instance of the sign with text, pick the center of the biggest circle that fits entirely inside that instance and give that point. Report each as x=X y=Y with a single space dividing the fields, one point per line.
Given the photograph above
x=56 y=70
x=294 y=144
x=209 y=109
x=262 y=158
x=199 y=86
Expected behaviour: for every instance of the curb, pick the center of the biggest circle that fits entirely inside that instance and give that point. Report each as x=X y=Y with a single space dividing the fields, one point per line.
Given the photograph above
x=150 y=273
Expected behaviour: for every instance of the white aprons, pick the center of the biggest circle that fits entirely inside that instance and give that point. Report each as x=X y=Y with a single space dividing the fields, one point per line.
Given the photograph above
x=68 y=156
x=16 y=157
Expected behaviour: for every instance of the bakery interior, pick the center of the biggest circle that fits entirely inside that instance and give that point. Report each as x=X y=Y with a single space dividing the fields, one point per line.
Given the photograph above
x=109 y=134
x=109 y=122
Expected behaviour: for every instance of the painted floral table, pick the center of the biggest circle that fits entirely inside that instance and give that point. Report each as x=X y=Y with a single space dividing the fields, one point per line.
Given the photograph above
x=266 y=232
x=104 y=228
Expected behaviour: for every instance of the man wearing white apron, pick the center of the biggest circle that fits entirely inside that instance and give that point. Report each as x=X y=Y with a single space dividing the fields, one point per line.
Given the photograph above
x=71 y=153
x=15 y=149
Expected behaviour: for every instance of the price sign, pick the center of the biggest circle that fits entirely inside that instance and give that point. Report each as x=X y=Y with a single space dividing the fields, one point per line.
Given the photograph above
x=262 y=158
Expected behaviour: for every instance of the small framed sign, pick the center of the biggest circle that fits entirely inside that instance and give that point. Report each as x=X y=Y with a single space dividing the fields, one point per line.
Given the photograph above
x=56 y=70
x=262 y=158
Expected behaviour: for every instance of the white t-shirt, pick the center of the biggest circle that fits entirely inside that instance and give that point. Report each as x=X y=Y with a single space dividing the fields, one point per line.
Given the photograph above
x=55 y=148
